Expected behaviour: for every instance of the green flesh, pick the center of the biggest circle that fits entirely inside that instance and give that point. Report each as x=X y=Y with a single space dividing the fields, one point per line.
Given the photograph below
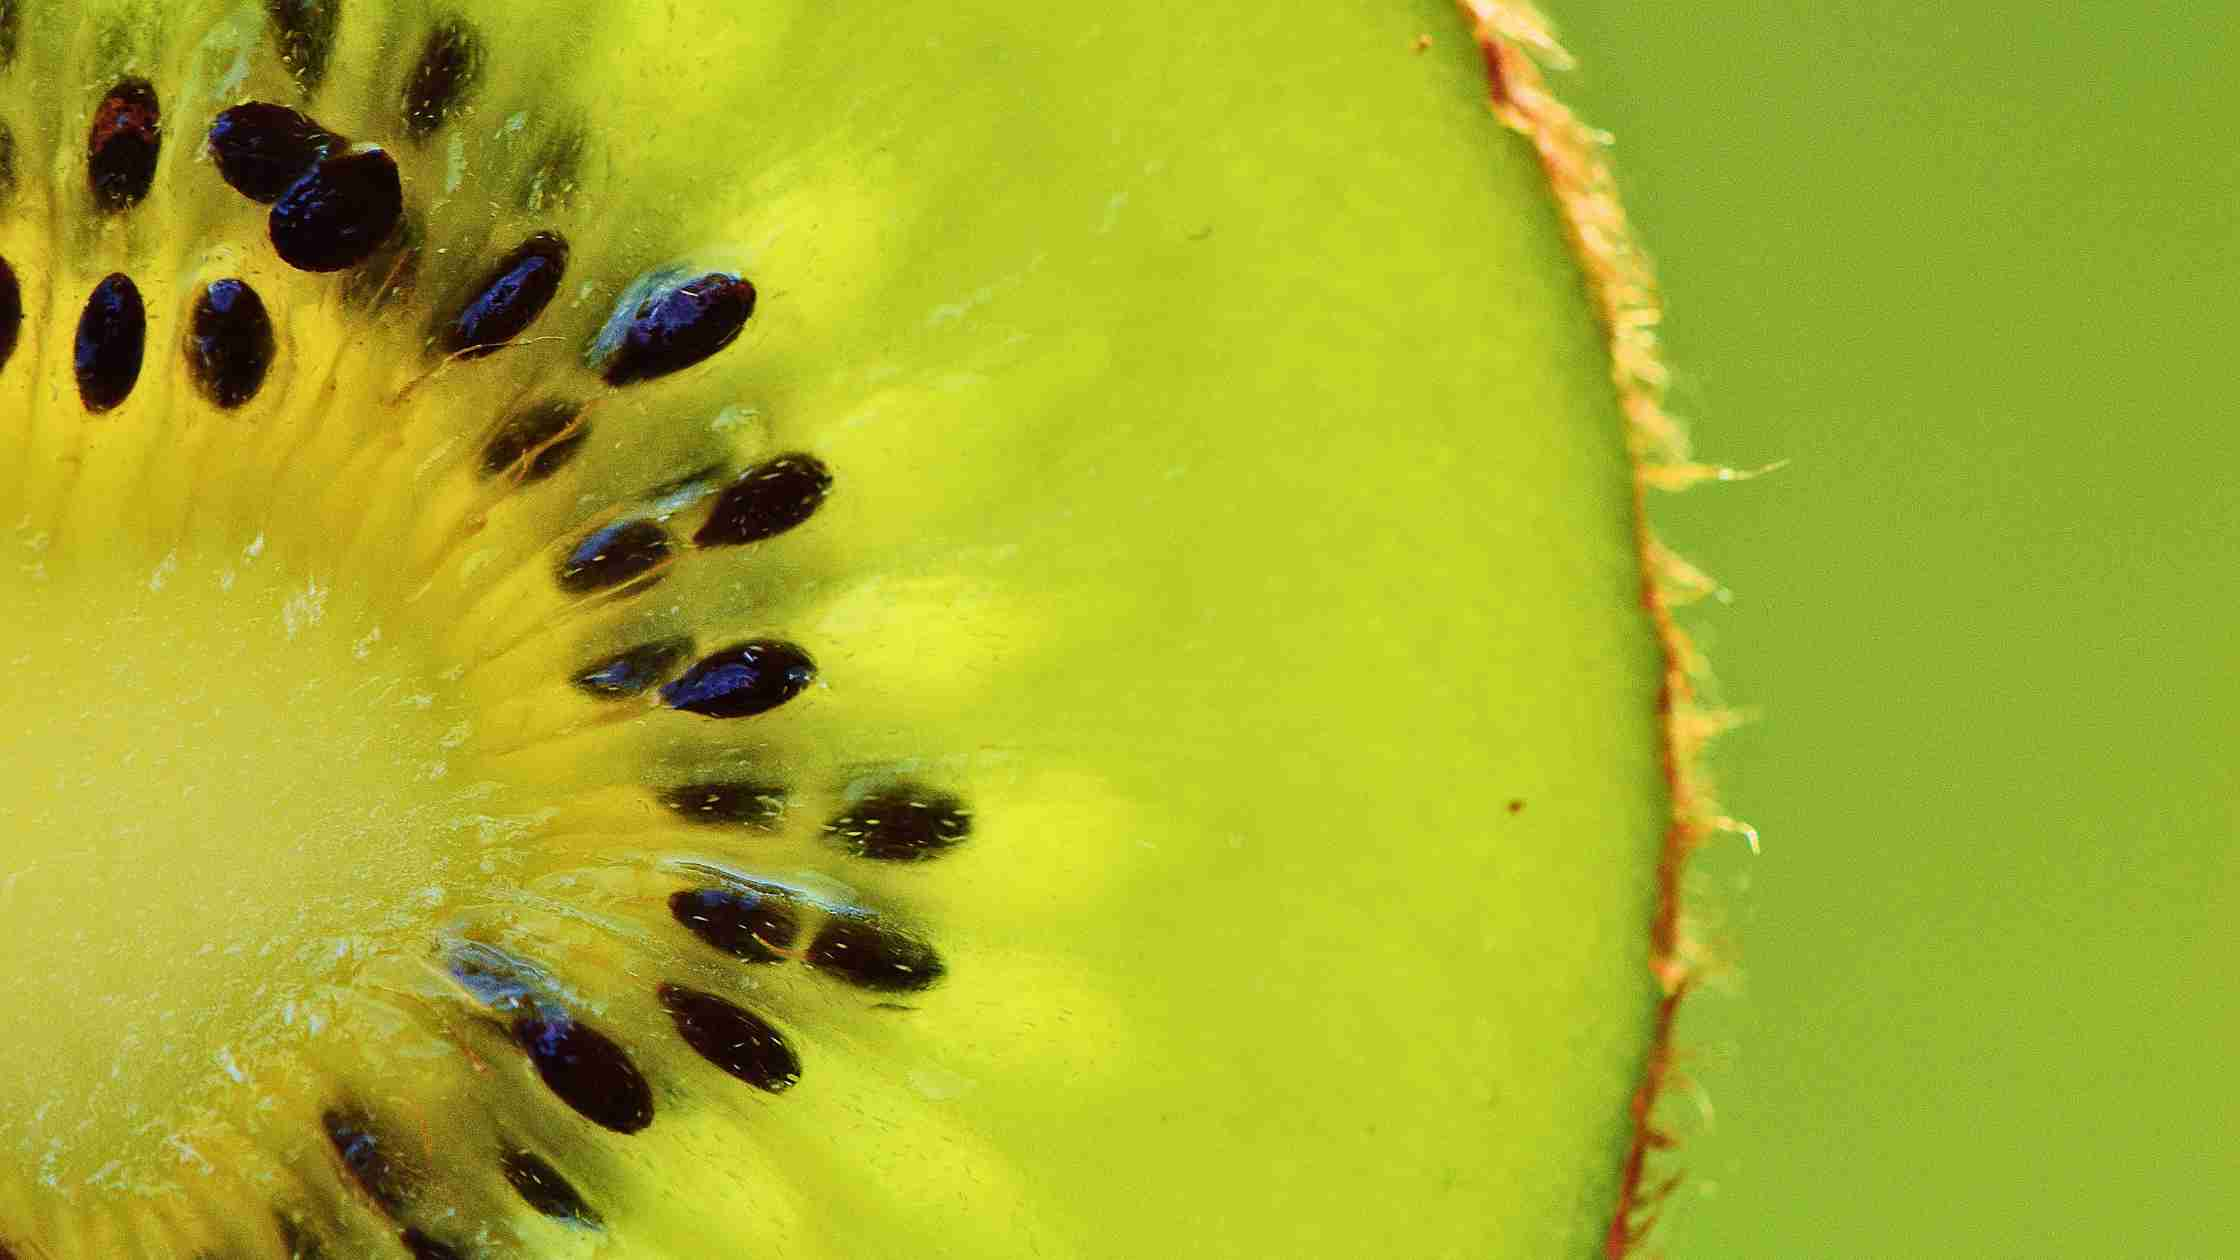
x=1230 y=504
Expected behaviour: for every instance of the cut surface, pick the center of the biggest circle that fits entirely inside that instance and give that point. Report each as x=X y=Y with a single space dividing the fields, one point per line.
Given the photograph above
x=228 y=783
x=990 y=631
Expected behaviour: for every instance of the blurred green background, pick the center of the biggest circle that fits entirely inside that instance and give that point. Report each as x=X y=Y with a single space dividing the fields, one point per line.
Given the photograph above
x=1975 y=271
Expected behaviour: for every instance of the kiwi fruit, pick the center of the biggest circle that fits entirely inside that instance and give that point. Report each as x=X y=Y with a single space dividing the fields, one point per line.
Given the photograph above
x=806 y=629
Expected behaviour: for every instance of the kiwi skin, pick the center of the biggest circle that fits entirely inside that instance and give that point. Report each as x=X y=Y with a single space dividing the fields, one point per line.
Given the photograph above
x=872 y=807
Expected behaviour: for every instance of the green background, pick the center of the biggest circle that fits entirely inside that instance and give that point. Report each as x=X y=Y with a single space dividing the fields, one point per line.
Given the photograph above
x=1974 y=270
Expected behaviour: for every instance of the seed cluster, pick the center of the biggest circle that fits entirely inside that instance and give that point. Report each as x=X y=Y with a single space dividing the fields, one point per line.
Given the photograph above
x=338 y=205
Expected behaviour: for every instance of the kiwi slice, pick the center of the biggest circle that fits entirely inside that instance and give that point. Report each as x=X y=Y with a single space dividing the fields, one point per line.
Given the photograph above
x=807 y=629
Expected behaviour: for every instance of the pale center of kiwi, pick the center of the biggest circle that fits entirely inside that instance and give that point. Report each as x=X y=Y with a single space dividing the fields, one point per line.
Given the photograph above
x=232 y=786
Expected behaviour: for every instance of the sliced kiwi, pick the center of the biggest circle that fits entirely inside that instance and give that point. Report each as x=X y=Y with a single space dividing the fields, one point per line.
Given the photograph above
x=781 y=628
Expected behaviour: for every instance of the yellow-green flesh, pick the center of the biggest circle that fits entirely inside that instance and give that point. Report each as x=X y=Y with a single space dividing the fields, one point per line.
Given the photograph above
x=1229 y=503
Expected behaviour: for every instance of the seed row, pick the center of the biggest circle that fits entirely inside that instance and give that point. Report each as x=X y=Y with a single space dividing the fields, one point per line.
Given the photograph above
x=336 y=205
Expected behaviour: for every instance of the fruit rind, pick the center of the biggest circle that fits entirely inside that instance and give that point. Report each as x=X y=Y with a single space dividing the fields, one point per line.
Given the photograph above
x=1517 y=40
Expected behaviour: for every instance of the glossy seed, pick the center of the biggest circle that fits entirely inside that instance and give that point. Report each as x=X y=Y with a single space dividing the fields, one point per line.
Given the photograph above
x=868 y=954
x=730 y=803
x=547 y=1193
x=510 y=297
x=303 y=33
x=449 y=69
x=613 y=555
x=902 y=823
x=229 y=343
x=11 y=312
x=766 y=500
x=740 y=1042
x=742 y=680
x=372 y=1164
x=681 y=327
x=421 y=1247
x=122 y=144
x=587 y=1071
x=755 y=926
x=536 y=441
x=112 y=333
x=634 y=671
x=261 y=149
x=339 y=212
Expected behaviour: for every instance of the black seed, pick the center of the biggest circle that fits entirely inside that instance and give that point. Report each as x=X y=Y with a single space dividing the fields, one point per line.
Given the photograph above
x=112 y=332
x=680 y=327
x=868 y=954
x=612 y=555
x=541 y=1186
x=229 y=343
x=376 y=1169
x=122 y=144
x=538 y=441
x=11 y=312
x=303 y=31
x=742 y=680
x=261 y=149
x=751 y=926
x=766 y=500
x=422 y=1247
x=756 y=805
x=902 y=823
x=587 y=1071
x=740 y=1042
x=511 y=296
x=339 y=212
x=443 y=79
x=633 y=672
